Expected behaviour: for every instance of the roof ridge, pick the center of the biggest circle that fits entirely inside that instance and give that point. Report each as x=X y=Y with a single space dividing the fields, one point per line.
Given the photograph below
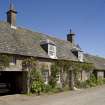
x=50 y=36
x=97 y=56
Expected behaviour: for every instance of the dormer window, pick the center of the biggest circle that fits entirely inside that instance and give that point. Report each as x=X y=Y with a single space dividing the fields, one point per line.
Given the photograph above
x=50 y=47
x=52 y=50
x=80 y=56
x=78 y=53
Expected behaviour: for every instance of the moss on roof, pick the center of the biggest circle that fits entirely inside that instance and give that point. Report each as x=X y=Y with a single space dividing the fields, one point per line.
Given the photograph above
x=25 y=42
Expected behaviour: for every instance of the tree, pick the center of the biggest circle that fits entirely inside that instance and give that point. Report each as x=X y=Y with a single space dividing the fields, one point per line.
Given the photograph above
x=29 y=64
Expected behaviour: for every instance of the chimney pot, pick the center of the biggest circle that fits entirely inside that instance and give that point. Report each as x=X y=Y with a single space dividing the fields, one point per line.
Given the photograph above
x=71 y=37
x=11 y=16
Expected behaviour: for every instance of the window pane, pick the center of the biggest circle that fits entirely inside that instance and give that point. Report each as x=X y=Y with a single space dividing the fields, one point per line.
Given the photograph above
x=52 y=51
x=51 y=48
x=45 y=74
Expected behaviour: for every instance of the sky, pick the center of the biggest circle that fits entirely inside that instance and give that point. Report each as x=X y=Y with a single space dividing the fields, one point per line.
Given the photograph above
x=55 y=18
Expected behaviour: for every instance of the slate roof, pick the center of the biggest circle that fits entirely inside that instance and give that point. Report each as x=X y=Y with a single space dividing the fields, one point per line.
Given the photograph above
x=98 y=62
x=25 y=42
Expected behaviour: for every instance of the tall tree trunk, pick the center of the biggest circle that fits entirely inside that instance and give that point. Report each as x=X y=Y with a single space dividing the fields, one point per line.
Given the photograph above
x=62 y=77
x=71 y=79
x=28 y=82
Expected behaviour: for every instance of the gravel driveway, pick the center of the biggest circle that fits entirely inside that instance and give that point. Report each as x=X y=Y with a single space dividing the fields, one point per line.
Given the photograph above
x=93 y=96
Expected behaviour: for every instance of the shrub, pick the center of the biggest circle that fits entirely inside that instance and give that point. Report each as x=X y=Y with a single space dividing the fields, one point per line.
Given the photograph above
x=37 y=84
x=56 y=90
x=82 y=84
x=37 y=87
x=100 y=81
x=104 y=81
x=92 y=82
x=47 y=88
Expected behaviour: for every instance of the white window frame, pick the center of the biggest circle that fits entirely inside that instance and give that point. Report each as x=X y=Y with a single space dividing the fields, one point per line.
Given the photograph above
x=80 y=56
x=52 y=50
x=100 y=74
x=45 y=74
x=12 y=60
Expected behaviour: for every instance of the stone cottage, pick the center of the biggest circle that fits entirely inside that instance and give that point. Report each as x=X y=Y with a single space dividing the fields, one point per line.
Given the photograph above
x=20 y=43
x=99 y=64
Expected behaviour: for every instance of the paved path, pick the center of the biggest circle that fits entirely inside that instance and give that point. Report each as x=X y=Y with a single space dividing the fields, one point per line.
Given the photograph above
x=93 y=96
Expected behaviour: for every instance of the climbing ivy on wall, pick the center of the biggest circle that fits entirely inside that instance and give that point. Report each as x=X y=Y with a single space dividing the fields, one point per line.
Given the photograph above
x=73 y=68
x=4 y=61
x=29 y=64
x=35 y=81
x=54 y=75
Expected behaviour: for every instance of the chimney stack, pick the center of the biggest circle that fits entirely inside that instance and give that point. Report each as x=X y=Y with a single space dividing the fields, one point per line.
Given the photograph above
x=71 y=37
x=11 y=15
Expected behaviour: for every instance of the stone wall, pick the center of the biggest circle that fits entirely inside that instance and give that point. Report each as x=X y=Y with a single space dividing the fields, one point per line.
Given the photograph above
x=83 y=75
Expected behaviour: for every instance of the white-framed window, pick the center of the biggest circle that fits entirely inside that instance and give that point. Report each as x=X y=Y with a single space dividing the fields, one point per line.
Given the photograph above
x=80 y=56
x=58 y=78
x=52 y=51
x=12 y=60
x=45 y=74
x=100 y=74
